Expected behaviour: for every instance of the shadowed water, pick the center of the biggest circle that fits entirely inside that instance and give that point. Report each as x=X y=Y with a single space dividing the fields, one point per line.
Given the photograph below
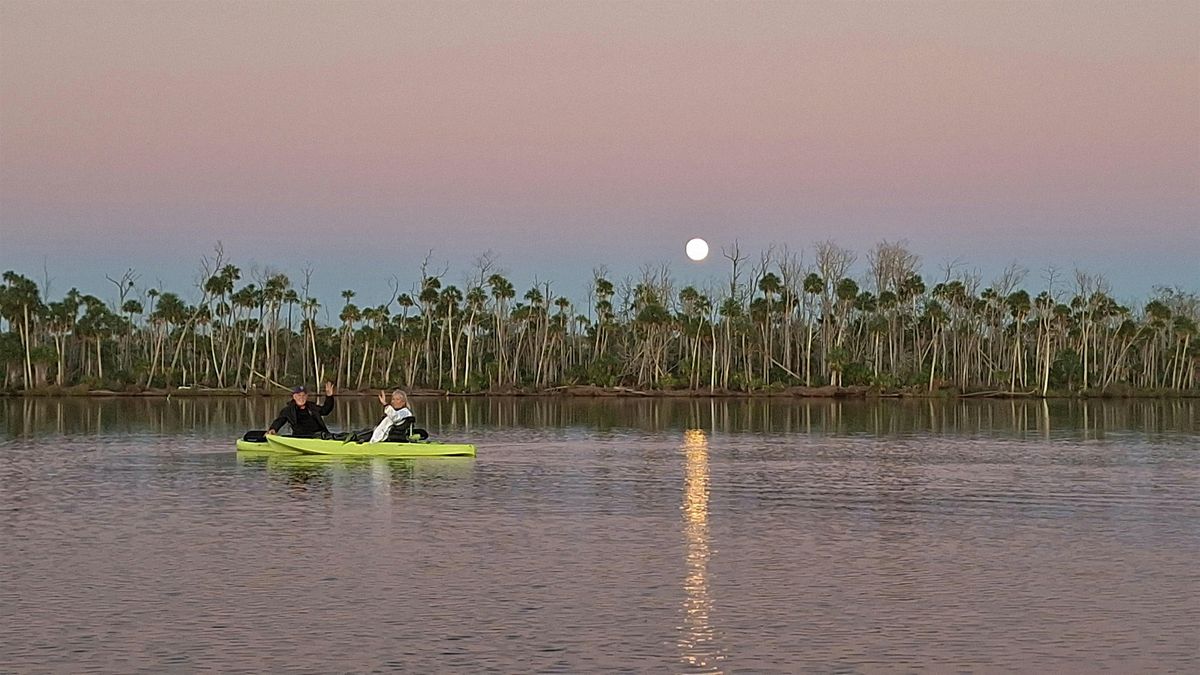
x=606 y=535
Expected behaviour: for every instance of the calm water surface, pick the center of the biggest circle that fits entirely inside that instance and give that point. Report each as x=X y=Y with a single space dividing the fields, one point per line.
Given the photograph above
x=601 y=535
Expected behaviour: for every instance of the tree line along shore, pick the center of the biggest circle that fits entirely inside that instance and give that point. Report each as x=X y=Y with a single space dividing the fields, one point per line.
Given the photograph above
x=777 y=324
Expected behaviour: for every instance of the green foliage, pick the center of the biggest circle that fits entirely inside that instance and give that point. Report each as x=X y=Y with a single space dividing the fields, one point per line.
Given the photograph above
x=1066 y=372
x=752 y=335
x=11 y=350
x=883 y=381
x=857 y=373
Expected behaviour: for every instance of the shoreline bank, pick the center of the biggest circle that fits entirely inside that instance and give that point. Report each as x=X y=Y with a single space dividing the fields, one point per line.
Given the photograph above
x=591 y=391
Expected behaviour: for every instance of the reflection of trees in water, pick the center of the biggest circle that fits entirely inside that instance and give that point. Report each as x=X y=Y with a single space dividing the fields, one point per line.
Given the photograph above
x=451 y=417
x=697 y=643
x=887 y=417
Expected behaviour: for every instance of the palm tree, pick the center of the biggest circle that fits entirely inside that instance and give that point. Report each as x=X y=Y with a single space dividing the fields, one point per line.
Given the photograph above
x=605 y=317
x=1019 y=306
x=1158 y=315
x=19 y=300
x=814 y=286
x=770 y=286
x=169 y=311
x=476 y=305
x=448 y=301
x=308 y=309
x=428 y=297
x=1183 y=330
x=348 y=316
x=60 y=323
x=502 y=292
x=846 y=292
x=565 y=324
x=97 y=323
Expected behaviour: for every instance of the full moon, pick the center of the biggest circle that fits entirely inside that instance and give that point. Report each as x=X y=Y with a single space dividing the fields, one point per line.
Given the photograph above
x=697 y=249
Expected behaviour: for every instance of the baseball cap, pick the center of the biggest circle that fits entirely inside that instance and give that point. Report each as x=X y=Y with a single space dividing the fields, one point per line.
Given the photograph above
x=299 y=390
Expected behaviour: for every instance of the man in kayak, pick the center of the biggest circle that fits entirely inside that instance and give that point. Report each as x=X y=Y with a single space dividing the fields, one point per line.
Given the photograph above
x=394 y=414
x=304 y=419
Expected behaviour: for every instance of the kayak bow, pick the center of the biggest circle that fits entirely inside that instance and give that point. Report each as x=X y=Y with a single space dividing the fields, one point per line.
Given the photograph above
x=262 y=446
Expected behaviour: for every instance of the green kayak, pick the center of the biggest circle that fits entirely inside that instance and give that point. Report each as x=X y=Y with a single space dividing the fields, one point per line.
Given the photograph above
x=266 y=448
x=317 y=446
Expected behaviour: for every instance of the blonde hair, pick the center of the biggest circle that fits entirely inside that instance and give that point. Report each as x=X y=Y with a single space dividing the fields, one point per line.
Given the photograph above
x=400 y=393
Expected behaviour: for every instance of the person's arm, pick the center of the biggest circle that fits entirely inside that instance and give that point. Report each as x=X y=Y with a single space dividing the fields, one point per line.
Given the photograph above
x=396 y=416
x=277 y=424
x=327 y=404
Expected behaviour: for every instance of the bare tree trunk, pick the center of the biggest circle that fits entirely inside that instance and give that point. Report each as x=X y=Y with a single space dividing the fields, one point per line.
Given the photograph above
x=362 y=369
x=25 y=337
x=387 y=373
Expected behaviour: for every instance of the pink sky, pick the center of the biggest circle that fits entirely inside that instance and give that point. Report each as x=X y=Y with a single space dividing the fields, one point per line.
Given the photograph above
x=564 y=136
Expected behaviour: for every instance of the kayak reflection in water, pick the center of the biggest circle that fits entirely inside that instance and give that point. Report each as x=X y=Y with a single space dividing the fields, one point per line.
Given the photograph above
x=396 y=415
x=304 y=419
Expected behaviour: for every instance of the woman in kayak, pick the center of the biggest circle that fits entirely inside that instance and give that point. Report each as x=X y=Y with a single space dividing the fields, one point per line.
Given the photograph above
x=304 y=419
x=394 y=414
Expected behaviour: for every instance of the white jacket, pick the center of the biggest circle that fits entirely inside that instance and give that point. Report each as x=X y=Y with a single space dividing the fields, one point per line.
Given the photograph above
x=391 y=417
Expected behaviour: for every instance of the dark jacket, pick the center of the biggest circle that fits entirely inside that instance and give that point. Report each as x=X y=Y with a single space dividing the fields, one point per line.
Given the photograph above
x=302 y=424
